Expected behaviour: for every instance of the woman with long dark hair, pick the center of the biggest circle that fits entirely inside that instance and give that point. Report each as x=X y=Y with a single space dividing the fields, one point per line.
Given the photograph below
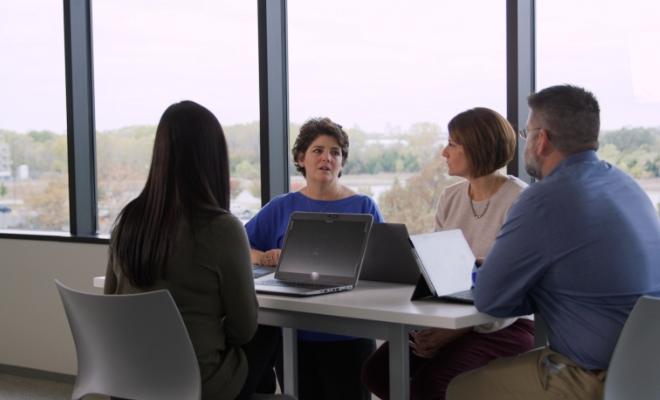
x=179 y=235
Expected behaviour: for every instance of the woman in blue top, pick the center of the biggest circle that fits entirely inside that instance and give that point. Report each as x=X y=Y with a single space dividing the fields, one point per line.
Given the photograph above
x=329 y=365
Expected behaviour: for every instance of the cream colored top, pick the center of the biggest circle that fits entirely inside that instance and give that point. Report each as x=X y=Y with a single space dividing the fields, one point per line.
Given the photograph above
x=456 y=212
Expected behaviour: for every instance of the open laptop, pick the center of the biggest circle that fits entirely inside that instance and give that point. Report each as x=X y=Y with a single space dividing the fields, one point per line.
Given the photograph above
x=445 y=261
x=389 y=256
x=322 y=253
x=259 y=270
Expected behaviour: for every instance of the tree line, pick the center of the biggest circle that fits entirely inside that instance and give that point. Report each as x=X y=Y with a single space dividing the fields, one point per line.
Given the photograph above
x=123 y=158
x=127 y=151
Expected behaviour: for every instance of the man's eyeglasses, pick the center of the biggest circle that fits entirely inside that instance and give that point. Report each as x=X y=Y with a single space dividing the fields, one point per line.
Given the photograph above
x=525 y=132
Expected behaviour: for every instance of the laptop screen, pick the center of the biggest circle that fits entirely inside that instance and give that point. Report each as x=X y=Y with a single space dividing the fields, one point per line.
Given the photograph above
x=446 y=260
x=324 y=248
x=389 y=256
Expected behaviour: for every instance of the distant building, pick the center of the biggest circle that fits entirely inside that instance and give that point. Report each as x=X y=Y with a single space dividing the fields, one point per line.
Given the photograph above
x=23 y=172
x=5 y=162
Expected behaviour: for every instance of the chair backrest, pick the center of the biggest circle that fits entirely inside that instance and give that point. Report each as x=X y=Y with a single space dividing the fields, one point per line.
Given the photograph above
x=133 y=346
x=633 y=370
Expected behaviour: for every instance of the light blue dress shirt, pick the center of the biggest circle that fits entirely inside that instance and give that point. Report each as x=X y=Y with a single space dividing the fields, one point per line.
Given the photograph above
x=579 y=247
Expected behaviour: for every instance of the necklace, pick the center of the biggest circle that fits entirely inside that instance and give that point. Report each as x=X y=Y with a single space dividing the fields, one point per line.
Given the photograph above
x=474 y=212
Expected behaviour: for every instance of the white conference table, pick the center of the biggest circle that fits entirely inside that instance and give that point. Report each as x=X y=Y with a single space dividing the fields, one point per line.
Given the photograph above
x=372 y=310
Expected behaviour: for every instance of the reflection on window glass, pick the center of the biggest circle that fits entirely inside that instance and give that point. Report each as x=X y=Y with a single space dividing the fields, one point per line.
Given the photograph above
x=393 y=74
x=146 y=58
x=613 y=53
x=33 y=149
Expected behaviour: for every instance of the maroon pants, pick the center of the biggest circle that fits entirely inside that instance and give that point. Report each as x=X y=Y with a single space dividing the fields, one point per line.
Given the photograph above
x=429 y=377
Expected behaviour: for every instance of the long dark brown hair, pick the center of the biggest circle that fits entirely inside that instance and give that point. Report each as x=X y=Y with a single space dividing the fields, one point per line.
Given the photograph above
x=188 y=177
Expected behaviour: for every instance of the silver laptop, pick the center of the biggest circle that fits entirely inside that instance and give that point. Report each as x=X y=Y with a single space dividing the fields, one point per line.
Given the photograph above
x=389 y=256
x=322 y=253
x=445 y=261
x=259 y=270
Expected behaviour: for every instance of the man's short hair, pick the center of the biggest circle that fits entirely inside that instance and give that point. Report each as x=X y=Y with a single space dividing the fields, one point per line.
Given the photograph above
x=570 y=114
x=488 y=140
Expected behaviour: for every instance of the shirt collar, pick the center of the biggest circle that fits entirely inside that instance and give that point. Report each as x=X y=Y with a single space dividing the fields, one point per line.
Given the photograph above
x=575 y=158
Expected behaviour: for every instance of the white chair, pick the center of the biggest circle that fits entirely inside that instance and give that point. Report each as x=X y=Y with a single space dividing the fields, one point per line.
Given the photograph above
x=633 y=370
x=131 y=346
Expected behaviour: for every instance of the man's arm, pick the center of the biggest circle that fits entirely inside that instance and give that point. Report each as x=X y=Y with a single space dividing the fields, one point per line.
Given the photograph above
x=515 y=264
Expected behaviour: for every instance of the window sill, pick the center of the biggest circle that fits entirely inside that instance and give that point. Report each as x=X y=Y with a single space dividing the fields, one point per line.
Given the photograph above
x=53 y=236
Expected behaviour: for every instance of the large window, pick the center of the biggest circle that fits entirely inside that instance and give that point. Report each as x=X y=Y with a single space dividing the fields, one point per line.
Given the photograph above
x=149 y=56
x=394 y=73
x=33 y=148
x=614 y=53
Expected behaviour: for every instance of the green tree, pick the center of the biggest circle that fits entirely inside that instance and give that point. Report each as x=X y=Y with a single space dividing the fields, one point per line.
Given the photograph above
x=630 y=138
x=246 y=170
x=634 y=150
x=414 y=203
x=48 y=203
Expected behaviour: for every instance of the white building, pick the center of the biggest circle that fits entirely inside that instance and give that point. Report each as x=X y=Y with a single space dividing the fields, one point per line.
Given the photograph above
x=23 y=172
x=5 y=162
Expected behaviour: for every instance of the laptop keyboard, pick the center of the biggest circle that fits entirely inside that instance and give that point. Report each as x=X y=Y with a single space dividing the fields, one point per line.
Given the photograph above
x=259 y=271
x=276 y=282
x=465 y=295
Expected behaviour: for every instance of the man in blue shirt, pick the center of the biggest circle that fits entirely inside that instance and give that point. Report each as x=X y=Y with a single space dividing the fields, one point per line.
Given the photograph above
x=579 y=247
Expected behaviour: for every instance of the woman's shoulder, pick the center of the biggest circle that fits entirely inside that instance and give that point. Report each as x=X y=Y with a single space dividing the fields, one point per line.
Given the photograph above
x=361 y=198
x=221 y=224
x=282 y=201
x=226 y=219
x=360 y=202
x=509 y=193
x=285 y=197
x=515 y=181
x=455 y=189
x=513 y=186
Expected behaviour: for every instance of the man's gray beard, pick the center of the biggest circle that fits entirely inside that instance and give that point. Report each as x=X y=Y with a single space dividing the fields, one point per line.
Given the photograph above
x=533 y=169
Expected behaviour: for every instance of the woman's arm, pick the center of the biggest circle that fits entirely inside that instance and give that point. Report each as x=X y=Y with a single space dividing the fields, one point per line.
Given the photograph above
x=268 y=258
x=237 y=292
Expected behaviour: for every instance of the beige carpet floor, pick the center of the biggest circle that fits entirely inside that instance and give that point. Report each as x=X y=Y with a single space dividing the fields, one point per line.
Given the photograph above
x=20 y=388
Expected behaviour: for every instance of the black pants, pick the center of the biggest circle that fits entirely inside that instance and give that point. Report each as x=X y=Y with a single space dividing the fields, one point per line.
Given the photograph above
x=262 y=353
x=331 y=370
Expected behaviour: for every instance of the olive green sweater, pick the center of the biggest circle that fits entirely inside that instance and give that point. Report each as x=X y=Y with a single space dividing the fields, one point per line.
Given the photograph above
x=209 y=276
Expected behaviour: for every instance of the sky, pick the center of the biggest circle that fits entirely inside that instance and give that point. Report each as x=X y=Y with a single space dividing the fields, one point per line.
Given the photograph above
x=382 y=65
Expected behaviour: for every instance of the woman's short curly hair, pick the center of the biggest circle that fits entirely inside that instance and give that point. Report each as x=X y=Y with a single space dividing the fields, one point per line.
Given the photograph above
x=312 y=129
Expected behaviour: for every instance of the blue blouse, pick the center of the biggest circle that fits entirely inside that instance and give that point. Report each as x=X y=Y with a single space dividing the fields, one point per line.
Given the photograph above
x=266 y=229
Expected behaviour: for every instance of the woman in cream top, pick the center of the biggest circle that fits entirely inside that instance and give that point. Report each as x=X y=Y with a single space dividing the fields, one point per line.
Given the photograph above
x=481 y=142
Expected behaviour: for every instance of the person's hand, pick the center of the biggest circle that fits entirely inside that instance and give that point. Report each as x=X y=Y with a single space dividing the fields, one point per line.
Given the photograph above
x=270 y=257
x=427 y=342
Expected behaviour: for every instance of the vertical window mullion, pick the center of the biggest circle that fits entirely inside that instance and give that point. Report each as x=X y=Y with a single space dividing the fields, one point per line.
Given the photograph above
x=273 y=98
x=80 y=117
x=520 y=37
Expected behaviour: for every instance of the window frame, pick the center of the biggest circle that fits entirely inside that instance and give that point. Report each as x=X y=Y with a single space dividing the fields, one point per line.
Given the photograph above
x=273 y=103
